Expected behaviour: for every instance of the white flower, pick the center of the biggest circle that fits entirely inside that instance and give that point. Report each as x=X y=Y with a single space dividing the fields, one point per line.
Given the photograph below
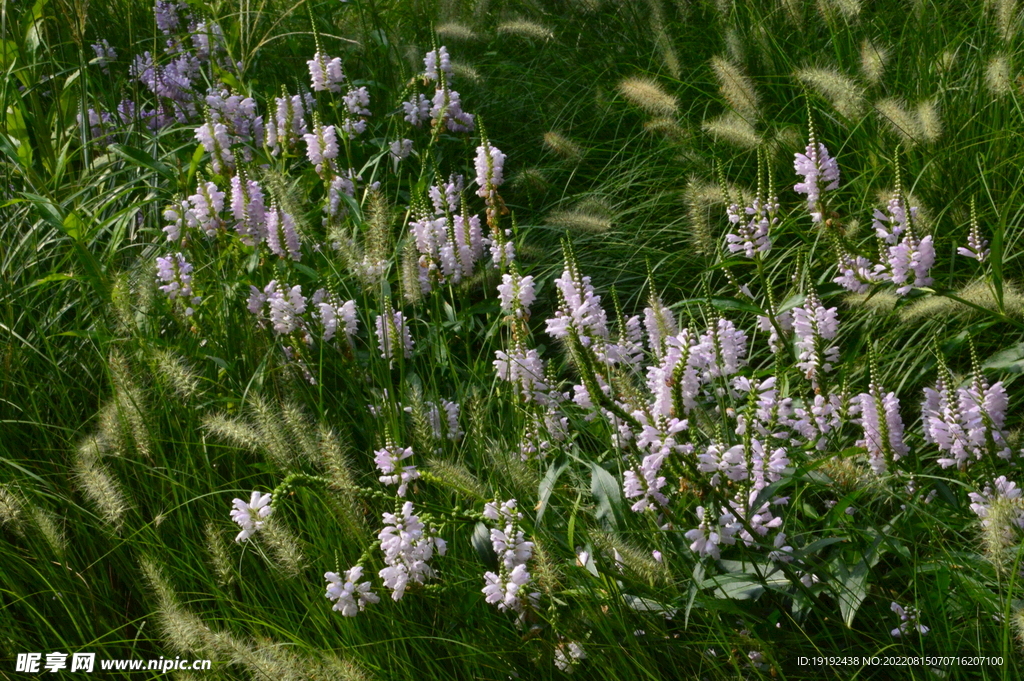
x=349 y=594
x=246 y=514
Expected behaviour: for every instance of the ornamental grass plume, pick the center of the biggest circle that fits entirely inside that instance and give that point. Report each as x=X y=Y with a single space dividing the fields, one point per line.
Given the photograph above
x=998 y=75
x=563 y=146
x=733 y=129
x=649 y=96
x=526 y=29
x=845 y=94
x=591 y=216
x=737 y=89
x=454 y=30
x=904 y=123
x=873 y=58
x=99 y=485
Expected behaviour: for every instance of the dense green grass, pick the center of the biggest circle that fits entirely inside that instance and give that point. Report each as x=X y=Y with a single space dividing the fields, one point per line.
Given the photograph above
x=127 y=427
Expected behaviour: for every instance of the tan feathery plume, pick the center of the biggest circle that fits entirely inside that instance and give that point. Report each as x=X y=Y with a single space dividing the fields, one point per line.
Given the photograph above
x=737 y=89
x=563 y=146
x=219 y=556
x=454 y=30
x=531 y=179
x=847 y=9
x=11 y=510
x=668 y=127
x=1007 y=18
x=733 y=129
x=647 y=95
x=238 y=432
x=592 y=215
x=880 y=301
x=945 y=62
x=905 y=124
x=526 y=29
x=176 y=372
x=99 y=485
x=873 y=58
x=929 y=118
x=49 y=530
x=998 y=76
x=464 y=71
x=846 y=96
x=458 y=477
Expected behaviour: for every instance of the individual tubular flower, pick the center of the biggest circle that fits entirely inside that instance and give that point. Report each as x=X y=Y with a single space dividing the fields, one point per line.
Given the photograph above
x=408 y=547
x=506 y=587
x=417 y=110
x=250 y=516
x=387 y=461
x=249 y=210
x=977 y=246
x=357 y=103
x=175 y=275
x=490 y=164
x=392 y=333
x=712 y=533
x=104 y=55
x=814 y=326
x=908 y=620
x=516 y=294
x=322 y=147
x=325 y=73
x=433 y=60
x=207 y=205
x=568 y=655
x=214 y=138
x=883 y=427
x=332 y=312
x=817 y=169
x=525 y=368
x=750 y=235
x=282 y=237
x=350 y=596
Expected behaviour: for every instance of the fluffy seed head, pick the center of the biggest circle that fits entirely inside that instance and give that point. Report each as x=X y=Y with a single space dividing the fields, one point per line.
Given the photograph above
x=998 y=77
x=99 y=486
x=11 y=510
x=905 y=124
x=872 y=61
x=218 y=555
x=563 y=146
x=453 y=30
x=930 y=119
x=846 y=96
x=736 y=88
x=733 y=129
x=526 y=29
x=284 y=547
x=592 y=216
x=845 y=9
x=238 y=432
x=647 y=95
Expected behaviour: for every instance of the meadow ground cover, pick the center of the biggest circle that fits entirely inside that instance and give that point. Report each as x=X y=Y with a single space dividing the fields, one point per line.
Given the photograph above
x=616 y=339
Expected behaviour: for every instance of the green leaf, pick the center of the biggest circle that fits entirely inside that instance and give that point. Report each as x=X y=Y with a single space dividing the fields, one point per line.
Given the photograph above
x=735 y=304
x=1009 y=359
x=547 y=486
x=795 y=300
x=482 y=543
x=608 y=496
x=851 y=588
x=141 y=158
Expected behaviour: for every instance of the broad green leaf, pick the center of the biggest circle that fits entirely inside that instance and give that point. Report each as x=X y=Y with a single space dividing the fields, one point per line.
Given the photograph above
x=547 y=485
x=851 y=588
x=608 y=496
x=142 y=159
